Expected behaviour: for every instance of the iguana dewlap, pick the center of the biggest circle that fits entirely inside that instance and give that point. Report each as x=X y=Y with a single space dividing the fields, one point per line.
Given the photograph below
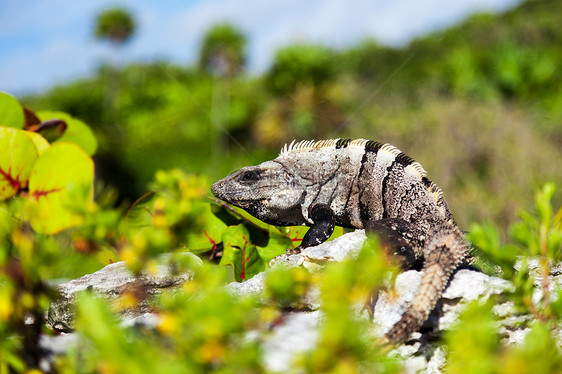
x=357 y=184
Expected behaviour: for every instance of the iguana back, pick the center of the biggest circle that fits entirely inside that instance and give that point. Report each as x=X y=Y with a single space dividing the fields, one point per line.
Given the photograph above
x=358 y=184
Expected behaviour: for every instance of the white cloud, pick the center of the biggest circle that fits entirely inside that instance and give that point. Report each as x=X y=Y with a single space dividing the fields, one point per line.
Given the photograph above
x=70 y=50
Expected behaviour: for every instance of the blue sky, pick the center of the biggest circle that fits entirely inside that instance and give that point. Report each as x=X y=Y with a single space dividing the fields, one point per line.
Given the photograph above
x=44 y=43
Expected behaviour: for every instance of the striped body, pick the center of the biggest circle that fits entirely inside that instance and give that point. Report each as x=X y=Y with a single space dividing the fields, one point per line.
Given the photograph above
x=363 y=181
x=357 y=184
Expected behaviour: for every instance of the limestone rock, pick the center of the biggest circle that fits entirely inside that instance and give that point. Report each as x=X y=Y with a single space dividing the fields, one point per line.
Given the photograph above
x=110 y=282
x=297 y=333
x=298 y=330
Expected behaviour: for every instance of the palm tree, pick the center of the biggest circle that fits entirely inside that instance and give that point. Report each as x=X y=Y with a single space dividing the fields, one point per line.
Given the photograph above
x=223 y=51
x=115 y=25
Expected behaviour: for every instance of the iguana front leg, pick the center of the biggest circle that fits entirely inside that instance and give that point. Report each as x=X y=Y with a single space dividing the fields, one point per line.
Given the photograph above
x=324 y=222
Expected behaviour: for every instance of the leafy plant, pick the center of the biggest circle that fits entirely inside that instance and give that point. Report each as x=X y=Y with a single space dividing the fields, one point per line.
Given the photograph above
x=301 y=65
x=45 y=188
x=486 y=85
x=474 y=344
x=533 y=236
x=223 y=51
x=49 y=178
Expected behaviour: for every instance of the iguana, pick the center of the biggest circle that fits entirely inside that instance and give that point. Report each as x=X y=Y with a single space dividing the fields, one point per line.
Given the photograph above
x=361 y=184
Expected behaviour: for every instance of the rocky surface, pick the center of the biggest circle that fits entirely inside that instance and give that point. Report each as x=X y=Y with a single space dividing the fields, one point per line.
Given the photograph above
x=298 y=331
x=110 y=282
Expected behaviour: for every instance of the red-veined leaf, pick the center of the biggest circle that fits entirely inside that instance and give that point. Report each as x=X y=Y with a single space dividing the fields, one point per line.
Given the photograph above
x=76 y=131
x=240 y=253
x=17 y=158
x=60 y=188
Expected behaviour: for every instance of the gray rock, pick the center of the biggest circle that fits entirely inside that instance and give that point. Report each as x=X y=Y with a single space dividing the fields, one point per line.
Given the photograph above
x=311 y=258
x=254 y=286
x=335 y=250
x=53 y=346
x=110 y=282
x=298 y=331
x=420 y=354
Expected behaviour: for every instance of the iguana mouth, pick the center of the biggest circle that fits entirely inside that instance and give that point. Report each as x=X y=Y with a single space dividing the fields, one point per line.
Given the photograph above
x=233 y=196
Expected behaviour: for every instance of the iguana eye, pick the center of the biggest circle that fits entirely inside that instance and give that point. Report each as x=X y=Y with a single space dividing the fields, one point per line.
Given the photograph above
x=249 y=176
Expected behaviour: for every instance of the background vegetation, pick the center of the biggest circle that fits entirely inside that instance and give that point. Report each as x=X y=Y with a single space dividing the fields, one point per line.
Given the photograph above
x=479 y=105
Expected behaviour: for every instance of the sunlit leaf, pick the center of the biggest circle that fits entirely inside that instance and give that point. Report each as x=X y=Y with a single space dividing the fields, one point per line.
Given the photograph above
x=76 y=132
x=241 y=253
x=16 y=161
x=276 y=245
x=11 y=111
x=40 y=142
x=61 y=183
x=211 y=234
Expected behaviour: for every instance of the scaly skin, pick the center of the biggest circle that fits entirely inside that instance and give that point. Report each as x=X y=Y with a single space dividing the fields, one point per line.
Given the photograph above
x=358 y=184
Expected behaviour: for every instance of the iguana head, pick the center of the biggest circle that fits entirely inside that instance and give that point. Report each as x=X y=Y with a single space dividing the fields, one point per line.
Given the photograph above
x=268 y=191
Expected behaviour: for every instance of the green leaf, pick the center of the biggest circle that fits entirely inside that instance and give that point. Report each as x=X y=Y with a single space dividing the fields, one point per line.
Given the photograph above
x=60 y=188
x=211 y=235
x=11 y=111
x=539 y=353
x=542 y=200
x=241 y=253
x=286 y=286
x=40 y=142
x=473 y=341
x=16 y=161
x=76 y=132
x=276 y=245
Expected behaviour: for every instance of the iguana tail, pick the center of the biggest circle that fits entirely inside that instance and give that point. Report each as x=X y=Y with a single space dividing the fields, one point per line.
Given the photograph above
x=443 y=255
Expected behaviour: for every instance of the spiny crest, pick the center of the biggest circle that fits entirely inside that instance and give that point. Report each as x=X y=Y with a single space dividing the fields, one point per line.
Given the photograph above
x=419 y=169
x=437 y=193
x=396 y=153
x=305 y=145
x=390 y=149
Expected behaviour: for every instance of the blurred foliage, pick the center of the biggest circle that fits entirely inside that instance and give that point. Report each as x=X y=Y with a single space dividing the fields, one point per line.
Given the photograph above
x=115 y=24
x=168 y=116
x=533 y=236
x=490 y=86
x=300 y=65
x=223 y=51
x=305 y=97
x=344 y=343
x=478 y=104
x=474 y=344
x=203 y=327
